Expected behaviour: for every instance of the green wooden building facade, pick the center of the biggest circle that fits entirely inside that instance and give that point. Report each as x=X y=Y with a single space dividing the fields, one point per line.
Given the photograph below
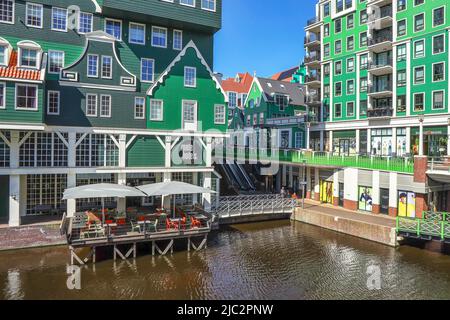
x=105 y=91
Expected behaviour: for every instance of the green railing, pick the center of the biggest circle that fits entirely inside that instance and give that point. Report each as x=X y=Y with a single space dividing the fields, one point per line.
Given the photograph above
x=433 y=224
x=401 y=165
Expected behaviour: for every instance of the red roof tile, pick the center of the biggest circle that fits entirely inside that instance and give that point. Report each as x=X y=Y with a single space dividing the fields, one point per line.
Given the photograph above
x=240 y=87
x=13 y=72
x=285 y=75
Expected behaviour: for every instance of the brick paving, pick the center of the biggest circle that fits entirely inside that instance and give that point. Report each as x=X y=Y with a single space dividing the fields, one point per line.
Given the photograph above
x=30 y=237
x=352 y=215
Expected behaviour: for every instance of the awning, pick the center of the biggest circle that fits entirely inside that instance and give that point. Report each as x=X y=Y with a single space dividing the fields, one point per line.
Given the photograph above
x=102 y=190
x=172 y=188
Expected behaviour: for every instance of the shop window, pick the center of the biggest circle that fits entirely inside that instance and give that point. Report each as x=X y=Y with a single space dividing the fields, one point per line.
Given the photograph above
x=365 y=199
x=406 y=204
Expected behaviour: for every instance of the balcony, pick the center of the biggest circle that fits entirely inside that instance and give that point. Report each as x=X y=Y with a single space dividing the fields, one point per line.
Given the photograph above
x=381 y=42
x=312 y=41
x=381 y=17
x=382 y=67
x=313 y=24
x=381 y=90
x=313 y=100
x=312 y=60
x=313 y=80
x=380 y=112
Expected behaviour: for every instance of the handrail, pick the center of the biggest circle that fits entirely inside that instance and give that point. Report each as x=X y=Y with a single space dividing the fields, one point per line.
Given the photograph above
x=433 y=224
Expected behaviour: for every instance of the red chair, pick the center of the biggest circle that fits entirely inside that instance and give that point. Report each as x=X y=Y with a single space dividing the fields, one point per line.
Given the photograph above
x=195 y=223
x=121 y=222
x=171 y=224
x=141 y=218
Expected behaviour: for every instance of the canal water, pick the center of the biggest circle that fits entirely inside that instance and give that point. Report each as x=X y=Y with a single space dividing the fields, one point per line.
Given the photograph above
x=274 y=260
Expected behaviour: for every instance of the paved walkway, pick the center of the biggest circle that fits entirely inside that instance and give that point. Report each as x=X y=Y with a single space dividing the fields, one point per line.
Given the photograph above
x=30 y=237
x=352 y=215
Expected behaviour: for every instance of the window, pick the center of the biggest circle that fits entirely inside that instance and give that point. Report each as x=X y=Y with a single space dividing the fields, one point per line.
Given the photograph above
x=401 y=5
x=7 y=11
x=401 y=103
x=219 y=114
x=363 y=39
x=92 y=66
x=339 y=6
x=28 y=58
x=137 y=33
x=2 y=96
x=338 y=88
x=401 y=52
x=209 y=5
x=438 y=72
x=91 y=105
x=105 y=106
x=438 y=100
x=350 y=43
x=326 y=50
x=3 y=55
x=401 y=78
x=190 y=77
x=55 y=61
x=419 y=22
x=363 y=108
x=139 y=108
x=350 y=87
x=26 y=97
x=338 y=110
x=326 y=30
x=438 y=44
x=326 y=9
x=350 y=109
x=114 y=28
x=338 y=46
x=177 y=39
x=59 y=19
x=232 y=100
x=156 y=110
x=363 y=16
x=338 y=68
x=337 y=25
x=190 y=3
x=53 y=102
x=34 y=14
x=106 y=67
x=147 y=70
x=401 y=27
x=364 y=84
x=85 y=22
x=281 y=101
x=350 y=21
x=419 y=102
x=419 y=75
x=350 y=65
x=326 y=70
x=364 y=62
x=419 y=49
x=438 y=16
x=159 y=37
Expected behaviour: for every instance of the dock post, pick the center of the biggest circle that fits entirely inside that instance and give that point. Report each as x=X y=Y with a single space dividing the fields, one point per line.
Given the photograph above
x=134 y=251
x=189 y=244
x=153 y=248
x=115 y=254
x=94 y=251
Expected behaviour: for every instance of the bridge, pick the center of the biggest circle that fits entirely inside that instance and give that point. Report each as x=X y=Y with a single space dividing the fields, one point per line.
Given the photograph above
x=433 y=226
x=251 y=208
x=316 y=158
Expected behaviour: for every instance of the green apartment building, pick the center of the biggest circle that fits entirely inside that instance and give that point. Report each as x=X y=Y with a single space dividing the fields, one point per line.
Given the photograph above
x=105 y=91
x=378 y=75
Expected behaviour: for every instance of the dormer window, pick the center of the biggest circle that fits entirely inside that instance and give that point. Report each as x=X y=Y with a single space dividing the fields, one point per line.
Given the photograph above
x=29 y=54
x=3 y=52
x=281 y=100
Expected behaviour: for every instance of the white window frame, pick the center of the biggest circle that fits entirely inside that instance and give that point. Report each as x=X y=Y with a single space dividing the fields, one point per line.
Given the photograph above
x=121 y=27
x=161 y=117
x=424 y=49
x=443 y=35
x=195 y=102
x=3 y=103
x=13 y=14
x=424 y=75
x=153 y=70
x=111 y=70
x=63 y=60
x=445 y=18
x=67 y=19
x=129 y=33
x=79 y=21
x=414 y=101
x=28 y=47
x=96 y=105
x=109 y=107
x=143 y=110
x=41 y=17
x=48 y=102
x=223 y=112
x=181 y=44
x=87 y=71
x=432 y=72
x=208 y=9
x=187 y=4
x=159 y=46
x=186 y=68
x=443 y=99
x=37 y=97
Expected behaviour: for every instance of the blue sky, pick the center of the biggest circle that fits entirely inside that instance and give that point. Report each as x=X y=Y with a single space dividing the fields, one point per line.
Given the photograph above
x=265 y=36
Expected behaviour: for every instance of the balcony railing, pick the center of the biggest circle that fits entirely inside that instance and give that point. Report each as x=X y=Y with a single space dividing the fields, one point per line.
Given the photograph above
x=312 y=21
x=383 y=87
x=381 y=64
x=386 y=37
x=313 y=99
x=311 y=39
x=312 y=57
x=313 y=77
x=384 y=12
x=380 y=112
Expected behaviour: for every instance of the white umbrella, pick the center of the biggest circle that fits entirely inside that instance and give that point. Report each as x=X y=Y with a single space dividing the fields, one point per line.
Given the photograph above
x=172 y=188
x=102 y=190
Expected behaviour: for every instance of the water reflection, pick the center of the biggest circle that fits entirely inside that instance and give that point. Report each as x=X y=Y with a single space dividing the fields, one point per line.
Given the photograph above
x=276 y=260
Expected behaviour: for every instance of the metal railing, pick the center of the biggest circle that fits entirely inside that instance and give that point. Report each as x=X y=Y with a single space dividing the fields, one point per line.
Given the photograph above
x=382 y=87
x=312 y=21
x=433 y=225
x=313 y=77
x=386 y=37
x=312 y=57
x=253 y=205
x=381 y=64
x=380 y=112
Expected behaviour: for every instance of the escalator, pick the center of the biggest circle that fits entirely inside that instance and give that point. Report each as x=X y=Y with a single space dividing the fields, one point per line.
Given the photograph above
x=237 y=177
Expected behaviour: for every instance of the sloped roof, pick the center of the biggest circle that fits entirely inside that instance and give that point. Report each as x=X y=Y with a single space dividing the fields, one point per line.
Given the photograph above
x=12 y=71
x=285 y=75
x=243 y=86
x=295 y=91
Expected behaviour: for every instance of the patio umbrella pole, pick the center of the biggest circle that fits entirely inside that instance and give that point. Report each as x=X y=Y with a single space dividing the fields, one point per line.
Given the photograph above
x=103 y=210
